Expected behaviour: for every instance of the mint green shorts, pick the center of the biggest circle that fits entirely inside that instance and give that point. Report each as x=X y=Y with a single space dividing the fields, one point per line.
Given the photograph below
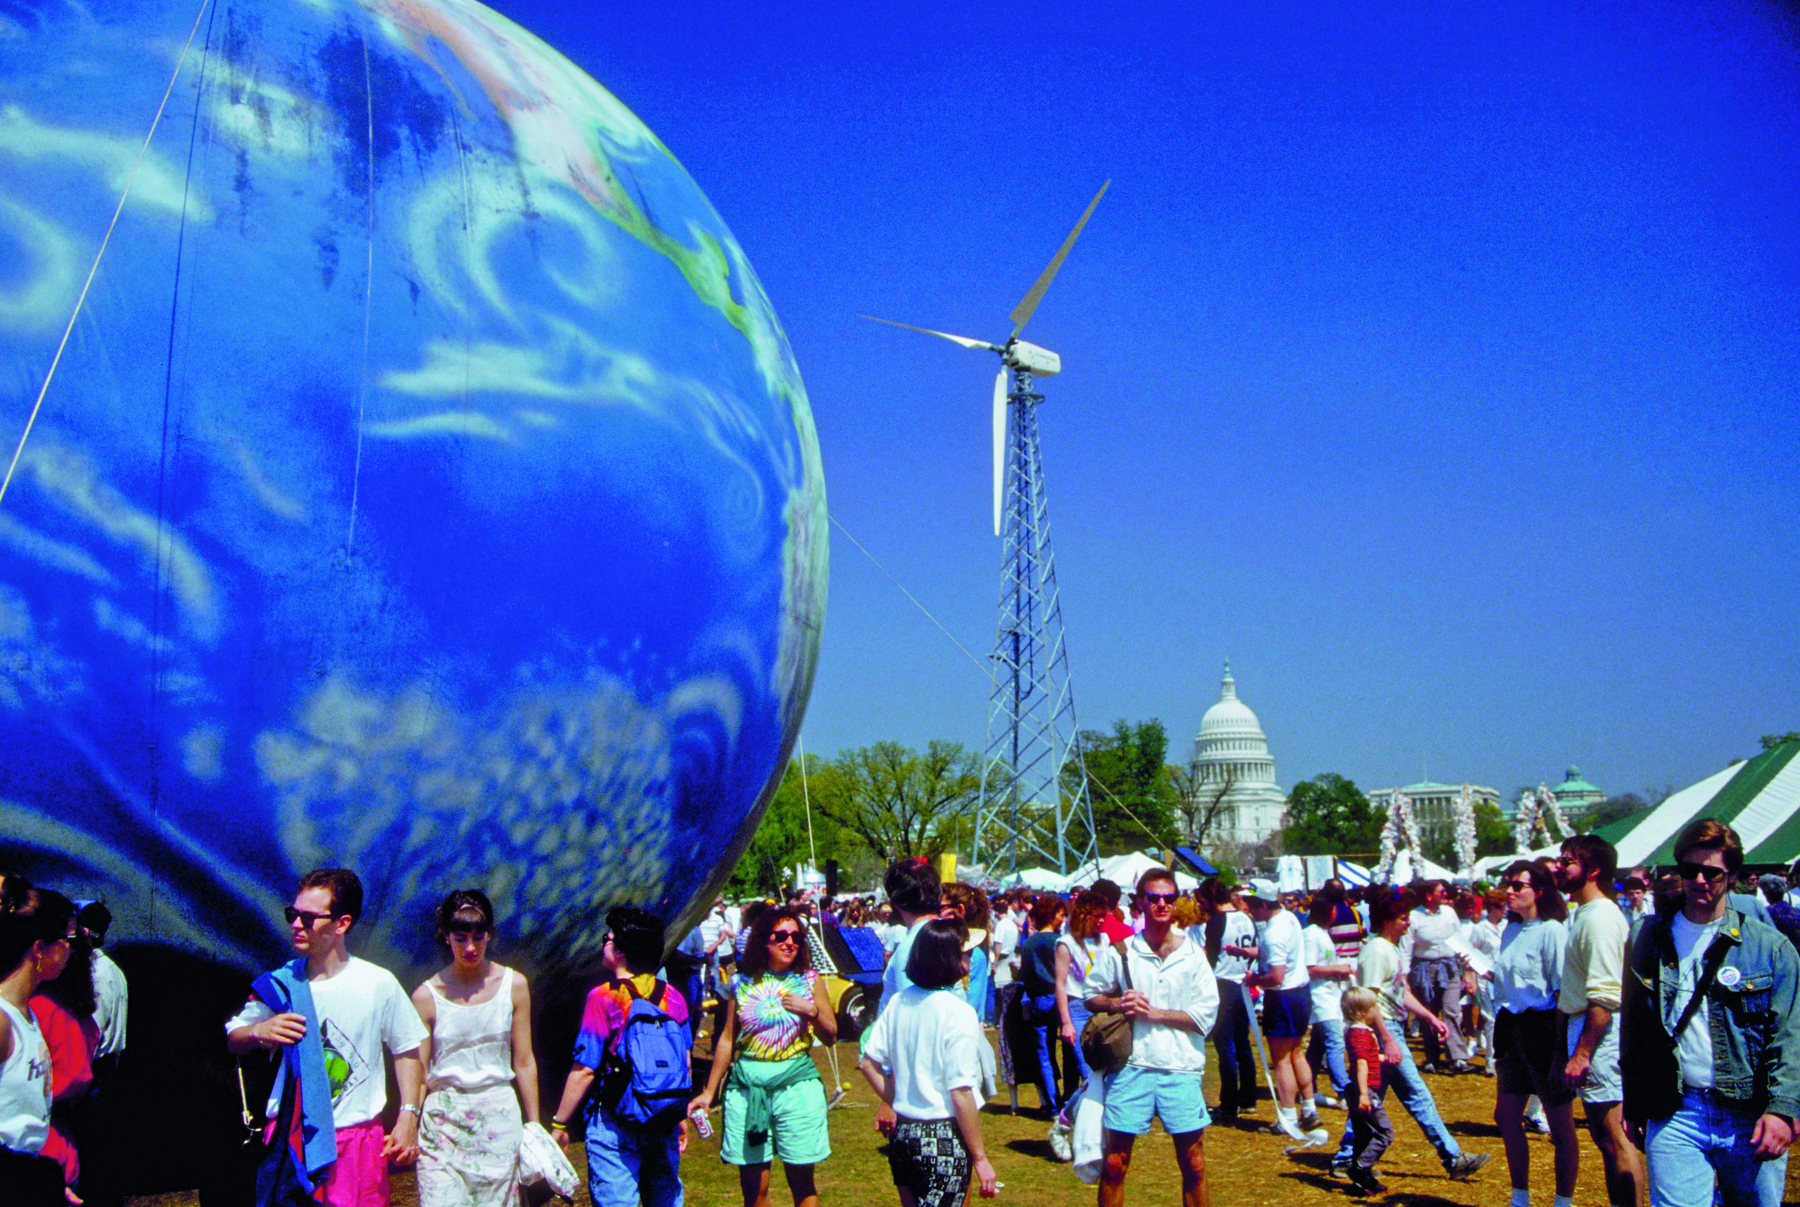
x=797 y=1130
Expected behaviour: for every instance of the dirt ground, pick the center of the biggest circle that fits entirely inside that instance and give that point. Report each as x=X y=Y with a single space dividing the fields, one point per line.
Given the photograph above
x=1244 y=1168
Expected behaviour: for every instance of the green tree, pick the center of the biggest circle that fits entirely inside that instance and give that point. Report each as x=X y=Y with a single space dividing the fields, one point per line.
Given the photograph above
x=899 y=801
x=1131 y=790
x=1329 y=815
x=1493 y=833
x=1771 y=740
x=780 y=840
x=1613 y=808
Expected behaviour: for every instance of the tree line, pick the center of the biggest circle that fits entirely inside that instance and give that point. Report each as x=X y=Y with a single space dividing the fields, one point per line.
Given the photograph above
x=870 y=805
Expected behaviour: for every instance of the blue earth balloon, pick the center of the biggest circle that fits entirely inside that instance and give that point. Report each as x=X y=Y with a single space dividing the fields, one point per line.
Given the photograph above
x=422 y=482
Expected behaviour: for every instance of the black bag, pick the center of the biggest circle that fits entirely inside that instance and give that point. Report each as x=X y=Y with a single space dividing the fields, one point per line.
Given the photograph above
x=1106 y=1040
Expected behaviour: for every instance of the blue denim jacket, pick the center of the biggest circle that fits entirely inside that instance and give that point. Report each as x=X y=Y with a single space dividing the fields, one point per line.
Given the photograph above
x=1750 y=1009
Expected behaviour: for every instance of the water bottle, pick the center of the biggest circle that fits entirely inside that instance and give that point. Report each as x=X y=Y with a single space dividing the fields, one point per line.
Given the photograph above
x=702 y=1124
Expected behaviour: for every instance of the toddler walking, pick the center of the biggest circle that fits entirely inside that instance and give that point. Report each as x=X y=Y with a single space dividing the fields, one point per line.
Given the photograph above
x=1369 y=1126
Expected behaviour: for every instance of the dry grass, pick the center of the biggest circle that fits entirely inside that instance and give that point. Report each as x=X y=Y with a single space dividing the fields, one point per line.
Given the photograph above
x=1243 y=1168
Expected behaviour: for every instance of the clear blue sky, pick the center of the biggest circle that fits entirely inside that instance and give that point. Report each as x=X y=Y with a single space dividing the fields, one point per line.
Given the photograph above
x=1439 y=365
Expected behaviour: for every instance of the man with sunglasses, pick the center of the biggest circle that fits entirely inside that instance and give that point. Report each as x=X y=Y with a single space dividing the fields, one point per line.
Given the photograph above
x=1592 y=984
x=1711 y=1040
x=1166 y=988
x=356 y=1009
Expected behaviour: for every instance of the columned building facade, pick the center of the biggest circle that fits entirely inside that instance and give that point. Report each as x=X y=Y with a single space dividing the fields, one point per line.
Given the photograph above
x=1231 y=756
x=1434 y=806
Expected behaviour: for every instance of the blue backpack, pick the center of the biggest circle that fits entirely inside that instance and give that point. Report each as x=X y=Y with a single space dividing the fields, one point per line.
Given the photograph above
x=648 y=1078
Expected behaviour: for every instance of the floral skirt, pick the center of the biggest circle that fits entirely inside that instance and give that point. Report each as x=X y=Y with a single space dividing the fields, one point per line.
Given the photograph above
x=469 y=1148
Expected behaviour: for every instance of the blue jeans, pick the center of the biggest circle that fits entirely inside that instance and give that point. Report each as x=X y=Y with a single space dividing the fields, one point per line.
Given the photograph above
x=1328 y=1041
x=1708 y=1139
x=632 y=1166
x=1405 y=1083
x=1237 y=1055
x=1046 y=1029
x=1075 y=1072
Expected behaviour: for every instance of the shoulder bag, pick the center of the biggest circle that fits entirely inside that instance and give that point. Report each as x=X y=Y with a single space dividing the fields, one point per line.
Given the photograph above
x=1106 y=1040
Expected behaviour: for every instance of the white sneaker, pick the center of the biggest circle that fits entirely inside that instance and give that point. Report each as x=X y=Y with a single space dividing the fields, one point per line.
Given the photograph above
x=1059 y=1141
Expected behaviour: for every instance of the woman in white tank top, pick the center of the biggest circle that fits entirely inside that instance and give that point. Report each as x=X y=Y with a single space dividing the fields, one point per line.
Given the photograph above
x=33 y=950
x=479 y=1066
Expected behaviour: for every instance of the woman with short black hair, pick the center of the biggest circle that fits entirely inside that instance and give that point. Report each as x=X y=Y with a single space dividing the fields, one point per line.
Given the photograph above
x=923 y=1057
x=479 y=1066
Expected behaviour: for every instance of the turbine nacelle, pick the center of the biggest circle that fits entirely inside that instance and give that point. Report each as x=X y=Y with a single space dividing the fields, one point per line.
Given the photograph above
x=1029 y=358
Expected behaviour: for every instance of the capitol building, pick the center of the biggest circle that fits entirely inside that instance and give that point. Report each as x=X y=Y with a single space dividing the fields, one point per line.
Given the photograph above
x=1232 y=755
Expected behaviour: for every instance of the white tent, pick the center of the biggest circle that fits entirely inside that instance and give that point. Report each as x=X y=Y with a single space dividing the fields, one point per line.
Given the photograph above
x=1042 y=879
x=1124 y=870
x=1405 y=871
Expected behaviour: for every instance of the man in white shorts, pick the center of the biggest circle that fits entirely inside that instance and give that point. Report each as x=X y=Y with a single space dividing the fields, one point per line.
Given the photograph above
x=1592 y=988
x=359 y=1009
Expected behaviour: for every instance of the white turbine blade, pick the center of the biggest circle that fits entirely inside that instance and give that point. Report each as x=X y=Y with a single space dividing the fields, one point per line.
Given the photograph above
x=1022 y=312
x=999 y=443
x=964 y=340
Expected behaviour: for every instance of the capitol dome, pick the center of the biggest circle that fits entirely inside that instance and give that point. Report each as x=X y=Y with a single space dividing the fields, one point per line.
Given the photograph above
x=1231 y=755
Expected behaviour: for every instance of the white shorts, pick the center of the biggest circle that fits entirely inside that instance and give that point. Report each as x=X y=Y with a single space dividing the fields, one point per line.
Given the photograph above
x=1603 y=1083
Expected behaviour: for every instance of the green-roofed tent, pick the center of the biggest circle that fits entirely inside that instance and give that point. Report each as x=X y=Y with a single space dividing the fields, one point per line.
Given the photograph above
x=1760 y=799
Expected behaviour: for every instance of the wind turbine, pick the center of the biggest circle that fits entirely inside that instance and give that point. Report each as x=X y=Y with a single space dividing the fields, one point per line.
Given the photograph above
x=1026 y=806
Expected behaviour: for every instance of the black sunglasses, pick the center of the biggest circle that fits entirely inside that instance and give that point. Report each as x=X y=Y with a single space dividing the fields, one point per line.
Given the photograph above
x=1518 y=885
x=784 y=936
x=1687 y=869
x=305 y=917
x=1161 y=898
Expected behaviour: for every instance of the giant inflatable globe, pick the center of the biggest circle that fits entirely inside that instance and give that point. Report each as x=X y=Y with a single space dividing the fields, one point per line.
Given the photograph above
x=422 y=482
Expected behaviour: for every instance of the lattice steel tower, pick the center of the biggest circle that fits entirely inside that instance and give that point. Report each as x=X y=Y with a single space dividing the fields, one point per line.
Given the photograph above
x=1034 y=804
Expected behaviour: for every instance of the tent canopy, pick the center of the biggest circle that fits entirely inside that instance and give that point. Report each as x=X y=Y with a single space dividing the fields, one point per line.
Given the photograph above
x=1042 y=880
x=1760 y=799
x=1124 y=870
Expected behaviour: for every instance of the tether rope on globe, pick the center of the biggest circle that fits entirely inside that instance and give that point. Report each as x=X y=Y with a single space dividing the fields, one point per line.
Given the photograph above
x=94 y=268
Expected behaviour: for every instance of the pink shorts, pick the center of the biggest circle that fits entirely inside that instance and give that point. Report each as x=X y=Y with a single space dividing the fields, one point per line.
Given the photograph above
x=360 y=1176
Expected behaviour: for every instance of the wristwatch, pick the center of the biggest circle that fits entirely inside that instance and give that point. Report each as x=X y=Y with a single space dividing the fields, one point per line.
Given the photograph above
x=408 y=1106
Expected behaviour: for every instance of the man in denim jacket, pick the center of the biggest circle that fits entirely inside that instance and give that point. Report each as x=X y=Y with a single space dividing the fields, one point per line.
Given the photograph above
x=1717 y=1080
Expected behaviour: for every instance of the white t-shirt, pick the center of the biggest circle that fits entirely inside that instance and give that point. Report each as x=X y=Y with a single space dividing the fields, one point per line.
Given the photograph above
x=110 y=1000
x=25 y=1086
x=1326 y=991
x=360 y=1010
x=927 y=1041
x=1005 y=941
x=1379 y=968
x=1693 y=1047
x=893 y=977
x=1240 y=931
x=1083 y=953
x=1283 y=947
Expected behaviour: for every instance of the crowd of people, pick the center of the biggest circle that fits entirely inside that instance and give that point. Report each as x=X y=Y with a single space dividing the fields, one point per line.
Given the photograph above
x=1666 y=1005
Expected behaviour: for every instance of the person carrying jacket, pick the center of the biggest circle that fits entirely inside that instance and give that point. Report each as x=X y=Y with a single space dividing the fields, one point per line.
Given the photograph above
x=1711 y=1041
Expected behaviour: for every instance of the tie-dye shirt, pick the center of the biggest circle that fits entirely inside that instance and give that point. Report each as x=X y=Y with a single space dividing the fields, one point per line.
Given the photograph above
x=604 y=1016
x=768 y=1030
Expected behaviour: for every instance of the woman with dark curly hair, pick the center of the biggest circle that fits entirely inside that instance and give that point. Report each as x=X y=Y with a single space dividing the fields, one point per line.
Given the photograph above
x=774 y=1097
